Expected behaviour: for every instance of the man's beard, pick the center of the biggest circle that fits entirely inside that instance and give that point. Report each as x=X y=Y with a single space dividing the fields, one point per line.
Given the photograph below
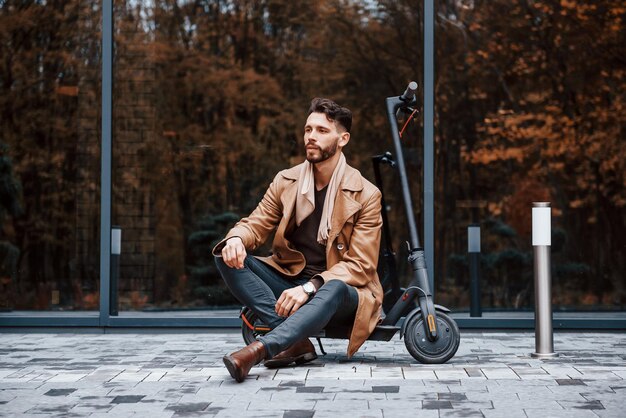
x=325 y=153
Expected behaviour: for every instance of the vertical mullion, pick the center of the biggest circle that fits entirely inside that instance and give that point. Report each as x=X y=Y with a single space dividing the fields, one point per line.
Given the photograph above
x=429 y=155
x=106 y=151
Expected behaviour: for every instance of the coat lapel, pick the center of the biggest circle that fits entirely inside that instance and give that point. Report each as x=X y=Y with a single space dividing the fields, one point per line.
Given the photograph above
x=345 y=205
x=288 y=200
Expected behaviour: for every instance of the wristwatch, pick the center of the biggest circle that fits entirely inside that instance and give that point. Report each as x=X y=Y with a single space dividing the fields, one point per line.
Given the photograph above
x=309 y=288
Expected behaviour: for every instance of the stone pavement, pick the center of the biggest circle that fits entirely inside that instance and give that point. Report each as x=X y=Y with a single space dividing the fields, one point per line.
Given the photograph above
x=181 y=375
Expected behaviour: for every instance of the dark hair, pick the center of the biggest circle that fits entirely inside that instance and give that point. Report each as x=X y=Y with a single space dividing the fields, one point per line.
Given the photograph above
x=342 y=116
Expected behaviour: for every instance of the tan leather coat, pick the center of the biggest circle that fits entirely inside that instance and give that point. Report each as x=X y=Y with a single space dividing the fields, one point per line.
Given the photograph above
x=353 y=242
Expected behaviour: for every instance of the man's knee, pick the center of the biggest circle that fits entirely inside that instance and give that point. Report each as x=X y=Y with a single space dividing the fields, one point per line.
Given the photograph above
x=335 y=288
x=226 y=271
x=223 y=269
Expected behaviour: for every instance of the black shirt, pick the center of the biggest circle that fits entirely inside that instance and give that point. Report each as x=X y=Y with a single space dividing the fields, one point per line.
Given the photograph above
x=304 y=238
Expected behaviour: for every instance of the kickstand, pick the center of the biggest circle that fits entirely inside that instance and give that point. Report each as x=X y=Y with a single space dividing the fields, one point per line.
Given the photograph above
x=319 y=341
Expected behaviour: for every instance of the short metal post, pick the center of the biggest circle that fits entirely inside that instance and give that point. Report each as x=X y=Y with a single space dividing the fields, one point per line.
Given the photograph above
x=473 y=250
x=116 y=250
x=544 y=341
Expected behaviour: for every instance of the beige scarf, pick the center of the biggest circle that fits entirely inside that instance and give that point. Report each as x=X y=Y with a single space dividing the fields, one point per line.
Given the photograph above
x=305 y=200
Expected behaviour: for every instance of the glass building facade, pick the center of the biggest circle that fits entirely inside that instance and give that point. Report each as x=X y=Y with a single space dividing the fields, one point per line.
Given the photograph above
x=177 y=132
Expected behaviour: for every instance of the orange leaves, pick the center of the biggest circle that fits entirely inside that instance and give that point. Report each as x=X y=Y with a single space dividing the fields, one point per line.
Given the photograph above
x=91 y=301
x=487 y=156
x=67 y=90
x=483 y=54
x=575 y=204
x=569 y=4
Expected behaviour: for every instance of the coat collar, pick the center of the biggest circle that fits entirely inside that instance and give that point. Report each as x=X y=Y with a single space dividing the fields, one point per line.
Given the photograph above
x=351 y=178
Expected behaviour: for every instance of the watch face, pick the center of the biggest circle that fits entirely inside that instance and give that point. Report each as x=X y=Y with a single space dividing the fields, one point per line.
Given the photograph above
x=309 y=288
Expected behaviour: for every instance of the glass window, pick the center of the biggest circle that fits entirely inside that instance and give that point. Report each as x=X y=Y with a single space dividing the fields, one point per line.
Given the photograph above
x=210 y=102
x=210 y=98
x=49 y=155
x=530 y=107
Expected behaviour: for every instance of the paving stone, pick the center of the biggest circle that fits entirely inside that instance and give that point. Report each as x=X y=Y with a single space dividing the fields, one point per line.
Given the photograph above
x=293 y=383
x=500 y=373
x=128 y=399
x=391 y=412
x=428 y=404
x=472 y=405
x=59 y=392
x=233 y=413
x=476 y=373
x=187 y=407
x=460 y=413
x=493 y=413
x=415 y=397
x=386 y=389
x=537 y=403
x=343 y=405
x=451 y=374
x=298 y=413
x=364 y=413
x=567 y=394
x=284 y=405
x=570 y=382
x=537 y=413
x=610 y=413
x=310 y=389
x=411 y=373
x=596 y=404
x=51 y=409
x=343 y=396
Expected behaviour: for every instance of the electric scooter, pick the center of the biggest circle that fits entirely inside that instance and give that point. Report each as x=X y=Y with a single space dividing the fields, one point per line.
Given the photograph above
x=430 y=334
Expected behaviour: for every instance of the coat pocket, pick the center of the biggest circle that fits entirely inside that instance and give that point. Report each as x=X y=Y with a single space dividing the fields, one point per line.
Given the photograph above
x=342 y=244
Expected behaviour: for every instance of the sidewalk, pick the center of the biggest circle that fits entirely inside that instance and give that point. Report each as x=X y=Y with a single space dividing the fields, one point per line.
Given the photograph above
x=182 y=375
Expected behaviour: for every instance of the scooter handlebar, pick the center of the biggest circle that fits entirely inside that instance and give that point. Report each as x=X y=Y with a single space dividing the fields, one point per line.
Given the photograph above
x=409 y=93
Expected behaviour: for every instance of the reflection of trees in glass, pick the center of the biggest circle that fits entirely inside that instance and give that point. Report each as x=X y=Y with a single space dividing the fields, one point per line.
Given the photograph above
x=203 y=276
x=230 y=86
x=531 y=107
x=209 y=102
x=529 y=101
x=506 y=269
x=49 y=52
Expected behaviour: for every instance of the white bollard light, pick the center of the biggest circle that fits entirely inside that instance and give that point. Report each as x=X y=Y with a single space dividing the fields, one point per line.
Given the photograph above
x=542 y=232
x=116 y=240
x=116 y=251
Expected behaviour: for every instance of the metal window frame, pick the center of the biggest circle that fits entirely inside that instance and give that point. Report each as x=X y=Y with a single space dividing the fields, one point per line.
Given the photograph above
x=429 y=140
x=102 y=321
x=106 y=152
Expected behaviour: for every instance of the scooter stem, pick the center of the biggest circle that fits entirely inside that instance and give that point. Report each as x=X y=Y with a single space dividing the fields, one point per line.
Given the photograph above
x=416 y=258
x=393 y=104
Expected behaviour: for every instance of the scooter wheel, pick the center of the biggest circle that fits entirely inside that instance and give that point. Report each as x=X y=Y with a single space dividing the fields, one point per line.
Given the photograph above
x=249 y=335
x=432 y=352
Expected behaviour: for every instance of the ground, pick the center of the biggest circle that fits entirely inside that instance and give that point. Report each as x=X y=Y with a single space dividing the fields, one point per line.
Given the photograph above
x=182 y=374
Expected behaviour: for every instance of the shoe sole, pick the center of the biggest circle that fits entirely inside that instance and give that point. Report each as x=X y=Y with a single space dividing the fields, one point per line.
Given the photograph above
x=235 y=373
x=301 y=359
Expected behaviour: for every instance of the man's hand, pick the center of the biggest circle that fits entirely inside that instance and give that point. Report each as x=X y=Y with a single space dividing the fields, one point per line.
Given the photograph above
x=234 y=253
x=290 y=301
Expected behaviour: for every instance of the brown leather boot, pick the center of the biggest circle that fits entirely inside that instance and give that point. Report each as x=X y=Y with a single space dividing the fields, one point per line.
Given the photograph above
x=240 y=362
x=301 y=352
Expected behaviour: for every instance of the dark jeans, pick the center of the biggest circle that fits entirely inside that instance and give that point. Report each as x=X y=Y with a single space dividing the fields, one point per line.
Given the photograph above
x=258 y=286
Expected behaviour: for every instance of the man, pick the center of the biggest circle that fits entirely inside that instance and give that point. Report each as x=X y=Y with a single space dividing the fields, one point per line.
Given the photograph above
x=324 y=254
